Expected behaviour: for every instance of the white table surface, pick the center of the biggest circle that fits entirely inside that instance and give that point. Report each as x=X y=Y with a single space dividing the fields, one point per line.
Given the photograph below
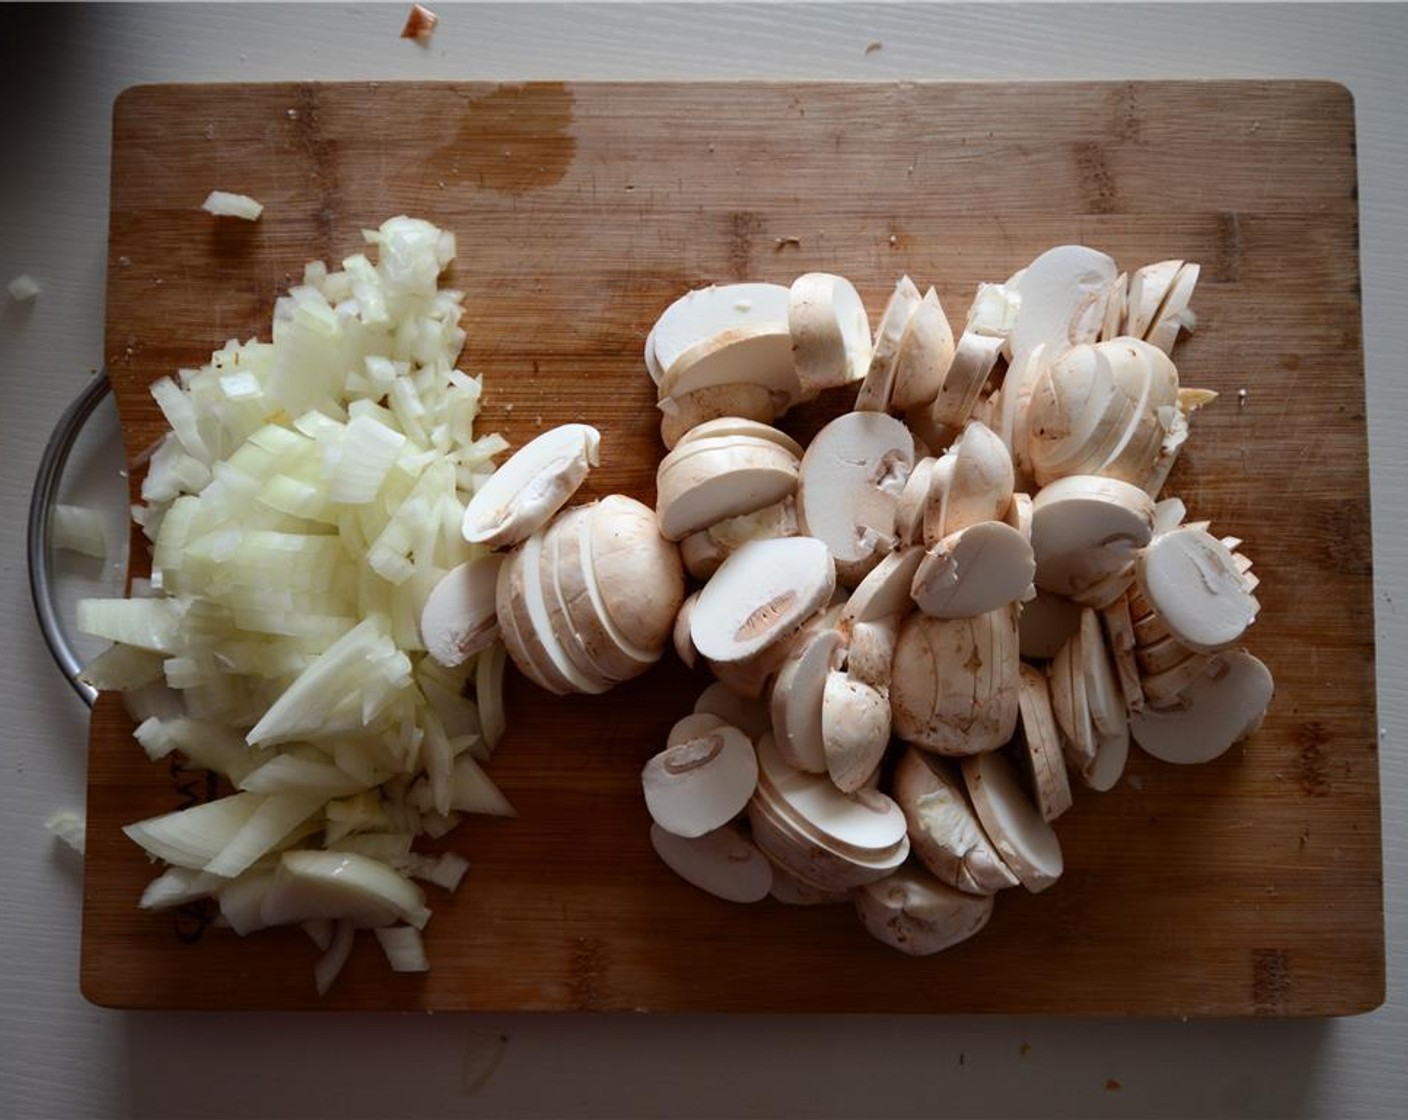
x=60 y=68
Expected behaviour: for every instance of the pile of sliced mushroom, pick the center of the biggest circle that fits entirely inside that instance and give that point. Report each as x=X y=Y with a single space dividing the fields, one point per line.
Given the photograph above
x=961 y=593
x=962 y=598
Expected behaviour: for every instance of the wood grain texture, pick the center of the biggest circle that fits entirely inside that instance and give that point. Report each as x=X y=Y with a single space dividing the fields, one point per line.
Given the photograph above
x=1249 y=886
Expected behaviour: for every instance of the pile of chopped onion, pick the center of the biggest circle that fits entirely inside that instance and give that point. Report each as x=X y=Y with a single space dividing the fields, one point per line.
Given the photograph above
x=306 y=500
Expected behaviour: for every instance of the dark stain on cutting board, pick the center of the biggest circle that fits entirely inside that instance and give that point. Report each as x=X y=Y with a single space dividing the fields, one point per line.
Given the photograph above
x=514 y=140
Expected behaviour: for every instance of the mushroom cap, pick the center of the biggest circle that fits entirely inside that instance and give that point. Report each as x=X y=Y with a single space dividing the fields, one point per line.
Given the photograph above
x=830 y=331
x=459 y=617
x=953 y=685
x=522 y=646
x=944 y=829
x=855 y=730
x=533 y=484
x=637 y=572
x=1148 y=288
x=693 y=726
x=760 y=595
x=913 y=912
x=870 y=652
x=724 y=863
x=981 y=485
x=849 y=485
x=1221 y=706
x=1028 y=844
x=884 y=592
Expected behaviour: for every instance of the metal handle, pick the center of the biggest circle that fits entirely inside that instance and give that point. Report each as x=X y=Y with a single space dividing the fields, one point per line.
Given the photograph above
x=39 y=552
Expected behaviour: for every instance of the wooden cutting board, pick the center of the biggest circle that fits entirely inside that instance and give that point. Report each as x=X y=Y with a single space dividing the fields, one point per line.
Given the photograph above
x=1247 y=886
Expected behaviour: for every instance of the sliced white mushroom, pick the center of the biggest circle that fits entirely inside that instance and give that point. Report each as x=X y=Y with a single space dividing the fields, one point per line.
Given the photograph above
x=974 y=571
x=1064 y=294
x=1119 y=634
x=699 y=785
x=683 y=643
x=780 y=834
x=524 y=648
x=855 y=730
x=953 y=685
x=1019 y=515
x=1115 y=309
x=723 y=426
x=752 y=677
x=1027 y=843
x=1046 y=623
x=796 y=702
x=749 y=716
x=884 y=592
x=704 y=313
x=1104 y=409
x=760 y=354
x=979 y=484
x=1086 y=529
x=792 y=891
x=1111 y=755
x=536 y=481
x=724 y=862
x=459 y=617
x=703 y=551
x=702 y=482
x=1166 y=688
x=830 y=331
x=870 y=652
x=1042 y=741
x=761 y=595
x=1192 y=580
x=974 y=359
x=850 y=482
x=944 y=829
x=1148 y=288
x=636 y=571
x=680 y=415
x=926 y=350
x=1175 y=315
x=693 y=726
x=535 y=624
x=864 y=826
x=918 y=915
x=909 y=510
x=874 y=395
x=1102 y=686
x=1222 y=706
x=701 y=554
x=640 y=582
x=1162 y=655
x=1070 y=703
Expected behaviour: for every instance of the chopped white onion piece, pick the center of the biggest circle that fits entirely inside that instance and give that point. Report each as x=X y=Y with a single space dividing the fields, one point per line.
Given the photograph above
x=24 y=287
x=404 y=949
x=78 y=529
x=227 y=205
x=330 y=963
x=70 y=827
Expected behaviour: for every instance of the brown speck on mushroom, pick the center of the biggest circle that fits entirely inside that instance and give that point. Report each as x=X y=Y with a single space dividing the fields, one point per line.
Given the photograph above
x=420 y=25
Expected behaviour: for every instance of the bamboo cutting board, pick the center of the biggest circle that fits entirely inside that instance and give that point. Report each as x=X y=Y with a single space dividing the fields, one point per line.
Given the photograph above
x=1248 y=886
